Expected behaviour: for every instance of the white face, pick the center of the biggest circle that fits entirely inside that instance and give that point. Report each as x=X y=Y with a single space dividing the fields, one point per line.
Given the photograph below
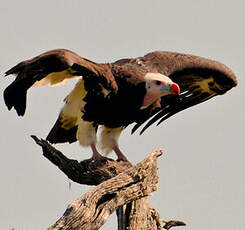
x=158 y=84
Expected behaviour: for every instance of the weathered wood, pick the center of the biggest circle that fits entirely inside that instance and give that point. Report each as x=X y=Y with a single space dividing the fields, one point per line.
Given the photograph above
x=147 y=218
x=89 y=171
x=173 y=223
x=92 y=209
x=120 y=187
x=123 y=216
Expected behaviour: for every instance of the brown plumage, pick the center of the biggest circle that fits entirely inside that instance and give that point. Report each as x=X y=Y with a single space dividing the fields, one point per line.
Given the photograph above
x=117 y=94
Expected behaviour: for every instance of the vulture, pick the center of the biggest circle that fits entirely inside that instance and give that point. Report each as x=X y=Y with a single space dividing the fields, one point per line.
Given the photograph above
x=143 y=91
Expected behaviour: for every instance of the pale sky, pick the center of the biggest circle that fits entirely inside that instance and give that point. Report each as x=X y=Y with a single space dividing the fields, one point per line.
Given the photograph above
x=202 y=170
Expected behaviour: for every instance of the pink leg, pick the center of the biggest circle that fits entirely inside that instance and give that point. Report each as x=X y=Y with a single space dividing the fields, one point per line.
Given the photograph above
x=96 y=154
x=119 y=154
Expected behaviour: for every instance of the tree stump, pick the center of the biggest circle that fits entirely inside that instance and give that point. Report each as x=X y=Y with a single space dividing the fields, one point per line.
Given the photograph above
x=120 y=187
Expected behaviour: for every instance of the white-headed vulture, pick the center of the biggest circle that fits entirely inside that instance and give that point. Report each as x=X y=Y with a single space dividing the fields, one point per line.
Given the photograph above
x=140 y=90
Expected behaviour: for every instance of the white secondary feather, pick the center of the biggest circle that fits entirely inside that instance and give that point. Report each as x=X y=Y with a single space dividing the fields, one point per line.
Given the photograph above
x=71 y=115
x=71 y=112
x=56 y=78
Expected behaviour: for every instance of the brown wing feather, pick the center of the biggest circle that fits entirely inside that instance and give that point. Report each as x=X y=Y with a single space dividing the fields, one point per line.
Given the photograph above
x=199 y=79
x=51 y=68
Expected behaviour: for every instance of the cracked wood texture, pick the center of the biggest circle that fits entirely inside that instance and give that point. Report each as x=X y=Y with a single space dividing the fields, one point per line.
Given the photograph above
x=120 y=187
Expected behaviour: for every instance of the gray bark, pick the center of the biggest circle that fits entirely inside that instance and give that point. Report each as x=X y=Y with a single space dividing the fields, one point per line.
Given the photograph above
x=121 y=187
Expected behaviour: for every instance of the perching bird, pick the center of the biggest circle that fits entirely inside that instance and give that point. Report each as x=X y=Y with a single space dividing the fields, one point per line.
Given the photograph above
x=133 y=90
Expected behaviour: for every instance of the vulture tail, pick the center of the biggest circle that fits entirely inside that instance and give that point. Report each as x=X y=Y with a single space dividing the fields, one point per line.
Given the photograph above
x=61 y=135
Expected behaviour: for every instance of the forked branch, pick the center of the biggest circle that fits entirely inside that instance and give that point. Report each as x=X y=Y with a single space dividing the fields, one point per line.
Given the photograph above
x=120 y=186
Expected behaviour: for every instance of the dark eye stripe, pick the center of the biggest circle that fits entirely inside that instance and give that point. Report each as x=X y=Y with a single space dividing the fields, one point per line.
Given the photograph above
x=158 y=83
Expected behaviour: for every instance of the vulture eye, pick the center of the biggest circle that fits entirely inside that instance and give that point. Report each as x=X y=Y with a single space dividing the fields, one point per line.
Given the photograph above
x=158 y=83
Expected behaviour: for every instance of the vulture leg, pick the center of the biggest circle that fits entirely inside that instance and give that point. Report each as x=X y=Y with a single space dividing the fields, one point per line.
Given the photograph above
x=86 y=135
x=120 y=155
x=109 y=141
x=96 y=154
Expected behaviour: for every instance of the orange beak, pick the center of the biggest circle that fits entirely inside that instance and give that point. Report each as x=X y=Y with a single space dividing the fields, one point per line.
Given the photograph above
x=175 y=90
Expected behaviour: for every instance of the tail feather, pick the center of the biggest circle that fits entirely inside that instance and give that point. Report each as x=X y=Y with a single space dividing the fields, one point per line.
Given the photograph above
x=61 y=135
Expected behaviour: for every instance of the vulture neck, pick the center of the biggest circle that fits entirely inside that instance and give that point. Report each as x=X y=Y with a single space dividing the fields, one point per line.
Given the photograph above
x=150 y=99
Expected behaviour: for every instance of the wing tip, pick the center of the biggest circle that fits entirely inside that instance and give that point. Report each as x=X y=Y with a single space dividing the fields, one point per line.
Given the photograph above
x=8 y=72
x=15 y=97
x=15 y=69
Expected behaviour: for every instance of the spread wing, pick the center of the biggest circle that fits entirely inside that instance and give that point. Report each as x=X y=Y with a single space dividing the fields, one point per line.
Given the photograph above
x=51 y=68
x=199 y=79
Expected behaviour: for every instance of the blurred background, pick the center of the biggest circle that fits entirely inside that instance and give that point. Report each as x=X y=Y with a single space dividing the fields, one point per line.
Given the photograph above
x=202 y=170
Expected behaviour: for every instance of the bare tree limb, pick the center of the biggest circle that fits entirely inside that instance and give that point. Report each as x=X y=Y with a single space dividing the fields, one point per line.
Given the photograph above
x=173 y=223
x=92 y=209
x=120 y=187
x=89 y=171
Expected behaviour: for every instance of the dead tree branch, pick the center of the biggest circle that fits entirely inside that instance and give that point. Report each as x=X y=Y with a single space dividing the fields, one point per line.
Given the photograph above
x=120 y=187
x=87 y=172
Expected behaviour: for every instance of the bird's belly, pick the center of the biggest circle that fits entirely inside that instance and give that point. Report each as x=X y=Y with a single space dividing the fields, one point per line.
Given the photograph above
x=114 y=109
x=111 y=113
